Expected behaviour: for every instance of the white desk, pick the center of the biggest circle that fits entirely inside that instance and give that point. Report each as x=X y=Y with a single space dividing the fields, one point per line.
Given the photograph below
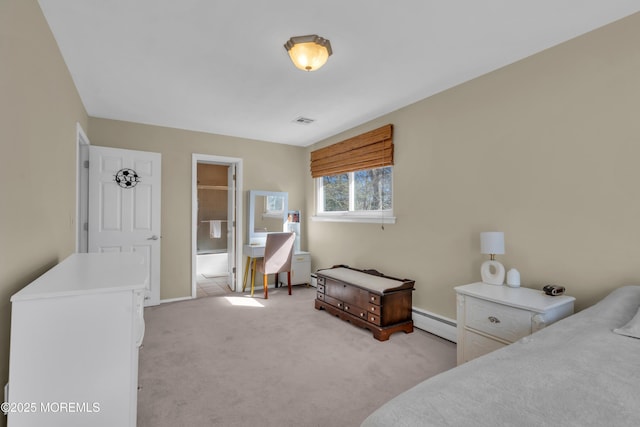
x=300 y=265
x=253 y=251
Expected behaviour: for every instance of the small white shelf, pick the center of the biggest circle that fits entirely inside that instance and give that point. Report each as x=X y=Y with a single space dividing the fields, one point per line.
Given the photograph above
x=213 y=187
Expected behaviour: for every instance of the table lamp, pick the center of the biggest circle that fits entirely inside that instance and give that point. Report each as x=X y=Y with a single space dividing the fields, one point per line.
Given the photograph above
x=492 y=243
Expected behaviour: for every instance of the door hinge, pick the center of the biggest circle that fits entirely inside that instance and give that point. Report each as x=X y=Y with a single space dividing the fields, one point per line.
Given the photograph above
x=234 y=176
x=86 y=164
x=233 y=270
x=85 y=226
x=233 y=224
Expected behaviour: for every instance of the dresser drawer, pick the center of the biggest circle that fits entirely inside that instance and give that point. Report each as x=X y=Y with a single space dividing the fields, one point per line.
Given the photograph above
x=501 y=321
x=355 y=310
x=320 y=288
x=374 y=299
x=476 y=345
x=301 y=258
x=374 y=309
x=372 y=318
x=320 y=296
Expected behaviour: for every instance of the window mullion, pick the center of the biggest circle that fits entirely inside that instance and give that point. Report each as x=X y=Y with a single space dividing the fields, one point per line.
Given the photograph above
x=352 y=192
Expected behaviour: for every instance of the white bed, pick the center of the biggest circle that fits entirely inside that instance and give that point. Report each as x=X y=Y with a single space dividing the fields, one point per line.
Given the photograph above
x=576 y=372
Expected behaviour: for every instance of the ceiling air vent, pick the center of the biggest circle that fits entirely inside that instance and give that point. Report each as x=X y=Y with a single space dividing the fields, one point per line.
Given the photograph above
x=304 y=120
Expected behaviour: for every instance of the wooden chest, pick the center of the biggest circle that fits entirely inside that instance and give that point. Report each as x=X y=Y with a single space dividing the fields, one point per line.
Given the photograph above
x=367 y=299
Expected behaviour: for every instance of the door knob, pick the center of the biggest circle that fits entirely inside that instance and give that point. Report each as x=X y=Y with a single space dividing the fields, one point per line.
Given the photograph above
x=154 y=237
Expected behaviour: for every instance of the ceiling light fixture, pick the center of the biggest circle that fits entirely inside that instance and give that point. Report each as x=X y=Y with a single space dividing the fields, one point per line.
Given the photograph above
x=308 y=53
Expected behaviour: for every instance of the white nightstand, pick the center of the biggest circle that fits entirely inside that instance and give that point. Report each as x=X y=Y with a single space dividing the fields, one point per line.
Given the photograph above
x=491 y=316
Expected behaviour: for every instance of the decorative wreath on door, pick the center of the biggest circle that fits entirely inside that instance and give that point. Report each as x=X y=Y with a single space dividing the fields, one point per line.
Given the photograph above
x=127 y=178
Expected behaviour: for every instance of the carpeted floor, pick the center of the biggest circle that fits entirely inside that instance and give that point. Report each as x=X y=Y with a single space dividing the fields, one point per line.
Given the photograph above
x=278 y=362
x=212 y=286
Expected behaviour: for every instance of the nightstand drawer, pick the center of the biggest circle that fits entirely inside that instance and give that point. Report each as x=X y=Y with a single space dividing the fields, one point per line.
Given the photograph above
x=501 y=321
x=477 y=345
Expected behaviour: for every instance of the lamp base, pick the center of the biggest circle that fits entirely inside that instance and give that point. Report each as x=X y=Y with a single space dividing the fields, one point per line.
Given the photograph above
x=492 y=273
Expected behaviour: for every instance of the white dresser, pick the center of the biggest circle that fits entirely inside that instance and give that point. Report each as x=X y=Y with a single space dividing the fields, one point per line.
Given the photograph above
x=491 y=316
x=75 y=334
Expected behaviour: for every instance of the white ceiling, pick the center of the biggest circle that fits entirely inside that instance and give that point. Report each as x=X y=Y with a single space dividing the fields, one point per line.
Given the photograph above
x=220 y=66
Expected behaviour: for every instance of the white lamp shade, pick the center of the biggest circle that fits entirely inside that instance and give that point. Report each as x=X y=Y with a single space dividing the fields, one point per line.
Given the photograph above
x=492 y=242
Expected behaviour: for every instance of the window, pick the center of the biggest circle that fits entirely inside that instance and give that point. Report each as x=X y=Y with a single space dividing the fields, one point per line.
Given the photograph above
x=362 y=196
x=354 y=178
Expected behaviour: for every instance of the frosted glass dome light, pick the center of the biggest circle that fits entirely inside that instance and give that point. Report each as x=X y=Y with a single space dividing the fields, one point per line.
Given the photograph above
x=308 y=53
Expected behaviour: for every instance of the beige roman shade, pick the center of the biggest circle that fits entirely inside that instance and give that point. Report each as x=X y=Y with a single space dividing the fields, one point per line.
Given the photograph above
x=367 y=151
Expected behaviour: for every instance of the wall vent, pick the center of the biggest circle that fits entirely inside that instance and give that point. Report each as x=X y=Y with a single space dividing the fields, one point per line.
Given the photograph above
x=303 y=120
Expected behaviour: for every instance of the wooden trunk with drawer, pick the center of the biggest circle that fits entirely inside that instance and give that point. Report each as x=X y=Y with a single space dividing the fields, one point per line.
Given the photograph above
x=367 y=299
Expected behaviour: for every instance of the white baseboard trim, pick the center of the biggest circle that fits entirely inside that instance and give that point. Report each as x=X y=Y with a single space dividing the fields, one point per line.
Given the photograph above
x=435 y=324
x=163 y=301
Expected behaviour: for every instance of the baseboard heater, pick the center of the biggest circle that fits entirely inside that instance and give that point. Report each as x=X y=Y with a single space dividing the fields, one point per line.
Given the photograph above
x=437 y=325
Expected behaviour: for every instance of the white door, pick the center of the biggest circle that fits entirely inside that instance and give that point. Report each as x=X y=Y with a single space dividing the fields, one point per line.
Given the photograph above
x=231 y=221
x=124 y=207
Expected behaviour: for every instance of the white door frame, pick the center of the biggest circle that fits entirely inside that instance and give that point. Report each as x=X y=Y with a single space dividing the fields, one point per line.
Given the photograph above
x=219 y=160
x=82 y=189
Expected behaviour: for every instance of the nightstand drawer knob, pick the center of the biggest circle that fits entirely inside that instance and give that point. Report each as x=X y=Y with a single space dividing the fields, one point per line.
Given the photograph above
x=493 y=319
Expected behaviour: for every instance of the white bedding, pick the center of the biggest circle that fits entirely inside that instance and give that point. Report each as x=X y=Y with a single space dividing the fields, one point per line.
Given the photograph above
x=576 y=372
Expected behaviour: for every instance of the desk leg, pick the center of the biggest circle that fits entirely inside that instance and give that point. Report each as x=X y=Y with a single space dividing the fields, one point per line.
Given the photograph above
x=253 y=275
x=246 y=271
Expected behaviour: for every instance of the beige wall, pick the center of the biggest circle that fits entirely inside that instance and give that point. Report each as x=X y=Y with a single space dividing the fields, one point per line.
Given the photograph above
x=266 y=166
x=39 y=109
x=545 y=150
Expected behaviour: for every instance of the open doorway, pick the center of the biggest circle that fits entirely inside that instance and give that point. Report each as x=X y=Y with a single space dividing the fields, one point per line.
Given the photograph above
x=213 y=229
x=216 y=222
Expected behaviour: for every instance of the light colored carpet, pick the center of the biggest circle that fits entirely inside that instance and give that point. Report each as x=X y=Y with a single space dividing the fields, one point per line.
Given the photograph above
x=207 y=362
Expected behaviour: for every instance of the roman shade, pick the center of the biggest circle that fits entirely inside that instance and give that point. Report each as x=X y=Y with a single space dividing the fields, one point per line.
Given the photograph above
x=370 y=150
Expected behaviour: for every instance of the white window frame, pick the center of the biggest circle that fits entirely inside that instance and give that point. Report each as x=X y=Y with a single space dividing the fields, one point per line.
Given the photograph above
x=377 y=216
